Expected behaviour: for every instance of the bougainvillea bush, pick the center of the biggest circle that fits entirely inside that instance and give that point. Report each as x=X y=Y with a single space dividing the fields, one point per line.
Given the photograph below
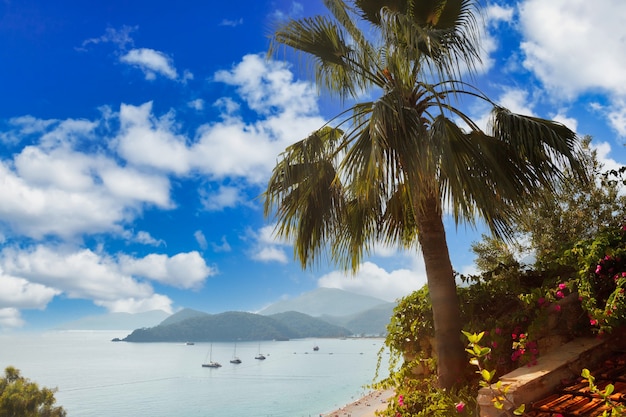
x=514 y=307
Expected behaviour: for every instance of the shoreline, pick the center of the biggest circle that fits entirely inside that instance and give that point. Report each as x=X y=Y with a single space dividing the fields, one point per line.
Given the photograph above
x=365 y=406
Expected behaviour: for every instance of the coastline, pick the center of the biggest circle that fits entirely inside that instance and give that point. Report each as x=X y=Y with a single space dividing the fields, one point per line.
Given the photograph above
x=364 y=407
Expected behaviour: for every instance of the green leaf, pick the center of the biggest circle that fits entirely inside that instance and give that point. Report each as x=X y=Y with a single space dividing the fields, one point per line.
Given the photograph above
x=487 y=376
x=520 y=410
x=485 y=351
x=498 y=405
x=609 y=389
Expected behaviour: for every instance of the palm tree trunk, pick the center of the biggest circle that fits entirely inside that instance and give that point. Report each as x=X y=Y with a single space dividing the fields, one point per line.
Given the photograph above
x=451 y=357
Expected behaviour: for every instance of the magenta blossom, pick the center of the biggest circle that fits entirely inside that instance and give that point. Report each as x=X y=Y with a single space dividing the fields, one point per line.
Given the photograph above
x=598 y=269
x=557 y=308
x=401 y=400
x=460 y=407
x=559 y=294
x=562 y=286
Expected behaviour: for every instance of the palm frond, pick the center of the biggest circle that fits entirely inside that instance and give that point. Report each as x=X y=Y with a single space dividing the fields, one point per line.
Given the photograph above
x=305 y=192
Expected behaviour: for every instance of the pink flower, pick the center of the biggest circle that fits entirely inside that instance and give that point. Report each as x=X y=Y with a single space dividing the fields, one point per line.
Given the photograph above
x=401 y=400
x=494 y=344
x=557 y=308
x=562 y=286
x=460 y=407
x=593 y=322
x=559 y=294
x=541 y=301
x=498 y=330
x=598 y=269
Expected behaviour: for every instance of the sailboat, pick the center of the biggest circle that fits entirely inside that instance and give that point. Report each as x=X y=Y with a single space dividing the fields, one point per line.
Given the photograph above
x=210 y=363
x=260 y=356
x=235 y=359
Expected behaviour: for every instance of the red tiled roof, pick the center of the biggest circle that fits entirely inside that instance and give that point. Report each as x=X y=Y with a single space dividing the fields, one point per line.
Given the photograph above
x=576 y=399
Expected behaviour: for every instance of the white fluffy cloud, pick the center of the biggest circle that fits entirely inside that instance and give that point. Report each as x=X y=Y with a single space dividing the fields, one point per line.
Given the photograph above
x=32 y=277
x=377 y=282
x=151 y=62
x=268 y=248
x=20 y=293
x=577 y=46
x=184 y=270
x=51 y=188
x=10 y=318
x=231 y=147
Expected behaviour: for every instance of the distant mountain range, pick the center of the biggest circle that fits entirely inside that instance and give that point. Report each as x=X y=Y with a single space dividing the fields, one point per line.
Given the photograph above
x=326 y=302
x=236 y=326
x=324 y=312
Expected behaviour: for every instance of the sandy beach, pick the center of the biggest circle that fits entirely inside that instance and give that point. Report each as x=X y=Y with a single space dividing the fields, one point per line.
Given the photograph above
x=364 y=407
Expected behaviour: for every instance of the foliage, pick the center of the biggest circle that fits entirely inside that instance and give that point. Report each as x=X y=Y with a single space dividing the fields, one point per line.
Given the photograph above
x=422 y=398
x=575 y=210
x=601 y=277
x=616 y=409
x=478 y=355
x=19 y=397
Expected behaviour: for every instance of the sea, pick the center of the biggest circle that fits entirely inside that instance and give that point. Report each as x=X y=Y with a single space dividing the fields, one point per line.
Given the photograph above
x=96 y=377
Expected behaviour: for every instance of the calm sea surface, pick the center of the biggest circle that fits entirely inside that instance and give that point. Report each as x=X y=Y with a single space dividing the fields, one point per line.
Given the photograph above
x=98 y=378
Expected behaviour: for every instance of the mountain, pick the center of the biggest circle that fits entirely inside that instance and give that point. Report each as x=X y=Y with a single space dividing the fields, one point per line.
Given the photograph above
x=372 y=322
x=306 y=326
x=237 y=326
x=184 y=314
x=326 y=301
x=116 y=321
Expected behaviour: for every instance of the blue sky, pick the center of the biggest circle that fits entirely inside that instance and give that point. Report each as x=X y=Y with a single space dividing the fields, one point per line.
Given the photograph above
x=136 y=137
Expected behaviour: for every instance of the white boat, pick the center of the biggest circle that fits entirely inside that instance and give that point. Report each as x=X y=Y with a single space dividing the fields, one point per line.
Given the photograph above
x=259 y=356
x=235 y=359
x=210 y=363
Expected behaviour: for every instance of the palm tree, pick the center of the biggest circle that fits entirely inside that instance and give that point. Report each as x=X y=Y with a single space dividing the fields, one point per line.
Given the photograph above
x=387 y=170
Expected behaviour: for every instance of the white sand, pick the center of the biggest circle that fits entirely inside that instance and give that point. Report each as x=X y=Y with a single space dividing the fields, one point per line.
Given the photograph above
x=364 y=407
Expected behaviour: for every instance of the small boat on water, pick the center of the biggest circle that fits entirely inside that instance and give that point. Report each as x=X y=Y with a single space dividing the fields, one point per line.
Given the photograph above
x=235 y=359
x=190 y=343
x=260 y=356
x=316 y=348
x=210 y=363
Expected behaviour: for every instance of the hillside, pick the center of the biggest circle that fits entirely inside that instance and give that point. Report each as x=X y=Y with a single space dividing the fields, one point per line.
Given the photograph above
x=184 y=314
x=372 y=322
x=238 y=326
x=307 y=326
x=326 y=301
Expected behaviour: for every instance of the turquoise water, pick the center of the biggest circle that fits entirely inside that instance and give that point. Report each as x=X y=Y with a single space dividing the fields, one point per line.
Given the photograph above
x=98 y=378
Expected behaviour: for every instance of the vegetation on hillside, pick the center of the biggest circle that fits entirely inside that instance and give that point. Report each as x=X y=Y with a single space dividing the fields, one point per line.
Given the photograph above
x=238 y=326
x=20 y=397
